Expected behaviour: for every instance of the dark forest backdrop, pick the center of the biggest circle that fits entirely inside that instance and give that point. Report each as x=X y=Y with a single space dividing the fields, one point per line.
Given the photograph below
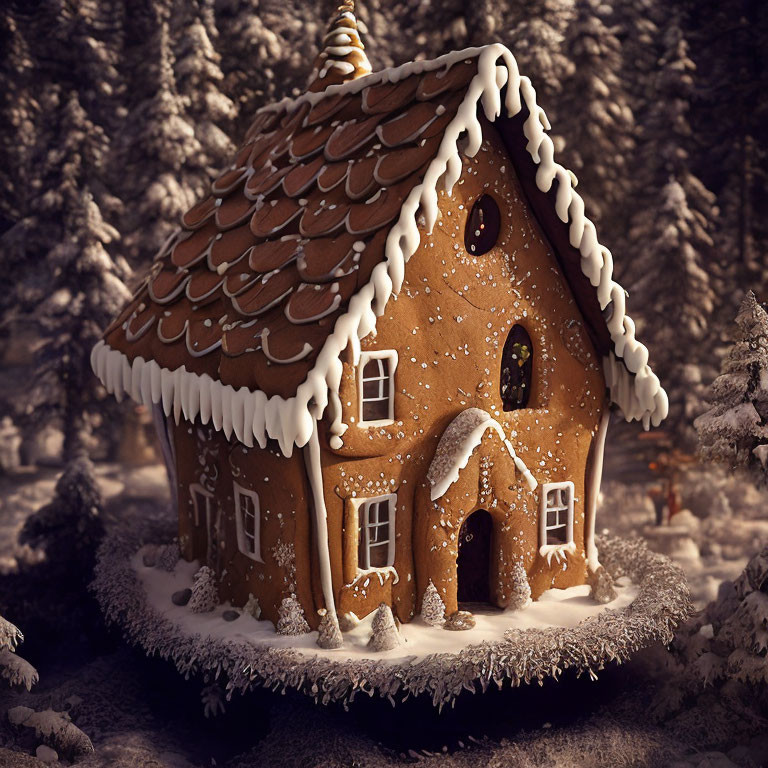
x=115 y=114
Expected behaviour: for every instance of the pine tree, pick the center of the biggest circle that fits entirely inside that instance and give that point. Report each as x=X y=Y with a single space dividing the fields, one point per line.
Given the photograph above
x=207 y=109
x=252 y=607
x=733 y=430
x=81 y=288
x=536 y=37
x=205 y=593
x=729 y=48
x=70 y=528
x=432 y=606
x=14 y=669
x=169 y=557
x=521 y=595
x=329 y=634
x=671 y=234
x=384 y=635
x=157 y=151
x=594 y=113
x=291 y=619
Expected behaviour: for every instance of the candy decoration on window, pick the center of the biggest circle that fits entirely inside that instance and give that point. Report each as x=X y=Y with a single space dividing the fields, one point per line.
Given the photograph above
x=483 y=226
x=516 y=369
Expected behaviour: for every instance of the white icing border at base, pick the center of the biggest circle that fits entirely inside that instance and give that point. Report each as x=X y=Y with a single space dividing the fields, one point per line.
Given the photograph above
x=253 y=416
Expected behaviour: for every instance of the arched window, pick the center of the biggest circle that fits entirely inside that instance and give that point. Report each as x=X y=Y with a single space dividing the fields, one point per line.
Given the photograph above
x=483 y=225
x=516 y=369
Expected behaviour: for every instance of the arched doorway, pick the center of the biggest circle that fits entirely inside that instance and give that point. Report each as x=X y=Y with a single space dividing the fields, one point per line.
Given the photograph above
x=474 y=560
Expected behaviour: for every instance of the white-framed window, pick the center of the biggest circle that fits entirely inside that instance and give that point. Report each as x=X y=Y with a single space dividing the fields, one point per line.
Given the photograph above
x=376 y=532
x=556 y=515
x=202 y=499
x=247 y=520
x=376 y=387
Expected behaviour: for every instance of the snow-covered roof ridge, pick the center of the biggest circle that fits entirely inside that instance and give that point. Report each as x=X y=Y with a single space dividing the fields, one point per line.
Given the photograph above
x=252 y=415
x=457 y=444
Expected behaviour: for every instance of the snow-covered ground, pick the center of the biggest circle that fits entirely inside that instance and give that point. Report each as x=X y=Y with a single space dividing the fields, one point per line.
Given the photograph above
x=140 y=712
x=555 y=608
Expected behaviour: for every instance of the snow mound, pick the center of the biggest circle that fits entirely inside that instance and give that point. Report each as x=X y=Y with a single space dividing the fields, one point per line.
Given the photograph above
x=565 y=631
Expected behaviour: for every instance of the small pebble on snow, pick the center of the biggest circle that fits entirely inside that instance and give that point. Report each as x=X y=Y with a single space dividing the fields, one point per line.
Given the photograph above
x=181 y=597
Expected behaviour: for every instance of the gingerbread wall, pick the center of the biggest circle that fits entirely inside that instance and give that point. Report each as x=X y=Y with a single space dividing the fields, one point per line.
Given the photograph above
x=449 y=325
x=205 y=458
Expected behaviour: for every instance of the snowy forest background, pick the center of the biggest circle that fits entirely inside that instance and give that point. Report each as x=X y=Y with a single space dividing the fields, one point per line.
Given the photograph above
x=114 y=117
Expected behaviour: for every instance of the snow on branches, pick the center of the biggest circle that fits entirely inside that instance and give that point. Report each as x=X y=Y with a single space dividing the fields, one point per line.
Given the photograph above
x=733 y=431
x=205 y=594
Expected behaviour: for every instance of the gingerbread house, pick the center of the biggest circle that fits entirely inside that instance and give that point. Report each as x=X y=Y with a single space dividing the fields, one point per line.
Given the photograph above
x=383 y=351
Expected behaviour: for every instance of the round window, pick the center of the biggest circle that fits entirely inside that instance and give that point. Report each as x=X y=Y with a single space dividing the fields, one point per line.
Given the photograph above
x=483 y=226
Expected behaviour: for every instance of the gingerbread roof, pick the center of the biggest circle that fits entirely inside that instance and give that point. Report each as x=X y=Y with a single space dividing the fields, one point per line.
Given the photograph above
x=305 y=237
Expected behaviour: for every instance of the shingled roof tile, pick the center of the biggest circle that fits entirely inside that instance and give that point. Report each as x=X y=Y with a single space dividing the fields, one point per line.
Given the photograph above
x=315 y=226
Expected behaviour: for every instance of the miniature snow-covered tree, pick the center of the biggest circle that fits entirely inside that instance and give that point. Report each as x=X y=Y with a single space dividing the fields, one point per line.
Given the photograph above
x=601 y=586
x=205 y=594
x=521 y=594
x=252 y=607
x=291 y=619
x=329 y=635
x=169 y=557
x=733 y=431
x=385 y=636
x=432 y=606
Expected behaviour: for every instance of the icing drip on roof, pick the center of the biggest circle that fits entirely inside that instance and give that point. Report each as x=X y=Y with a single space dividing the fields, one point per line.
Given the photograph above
x=306 y=237
x=342 y=57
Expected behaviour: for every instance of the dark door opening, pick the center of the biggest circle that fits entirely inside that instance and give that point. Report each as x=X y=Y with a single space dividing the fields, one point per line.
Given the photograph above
x=474 y=561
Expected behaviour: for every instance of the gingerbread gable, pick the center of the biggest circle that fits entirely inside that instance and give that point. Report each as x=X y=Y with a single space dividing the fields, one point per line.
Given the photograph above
x=305 y=238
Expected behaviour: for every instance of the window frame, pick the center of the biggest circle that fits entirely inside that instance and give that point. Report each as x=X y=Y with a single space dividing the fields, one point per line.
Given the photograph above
x=242 y=539
x=366 y=357
x=544 y=508
x=362 y=513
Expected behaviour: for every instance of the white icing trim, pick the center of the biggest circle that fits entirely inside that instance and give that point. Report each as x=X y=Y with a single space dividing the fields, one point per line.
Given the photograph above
x=381 y=573
x=365 y=358
x=632 y=384
x=315 y=475
x=568 y=547
x=242 y=543
x=442 y=480
x=359 y=505
x=593 y=492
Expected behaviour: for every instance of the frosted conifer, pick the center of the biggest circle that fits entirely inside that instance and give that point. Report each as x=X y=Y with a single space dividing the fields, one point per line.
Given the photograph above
x=252 y=607
x=733 y=431
x=169 y=557
x=432 y=606
x=291 y=619
x=329 y=634
x=385 y=636
x=205 y=595
x=17 y=671
x=601 y=586
x=521 y=595
x=10 y=635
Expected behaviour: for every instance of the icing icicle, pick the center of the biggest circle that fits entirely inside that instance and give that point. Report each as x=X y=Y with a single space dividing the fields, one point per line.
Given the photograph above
x=496 y=89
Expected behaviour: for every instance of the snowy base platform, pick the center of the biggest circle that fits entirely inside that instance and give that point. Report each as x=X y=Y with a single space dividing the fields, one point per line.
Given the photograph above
x=564 y=629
